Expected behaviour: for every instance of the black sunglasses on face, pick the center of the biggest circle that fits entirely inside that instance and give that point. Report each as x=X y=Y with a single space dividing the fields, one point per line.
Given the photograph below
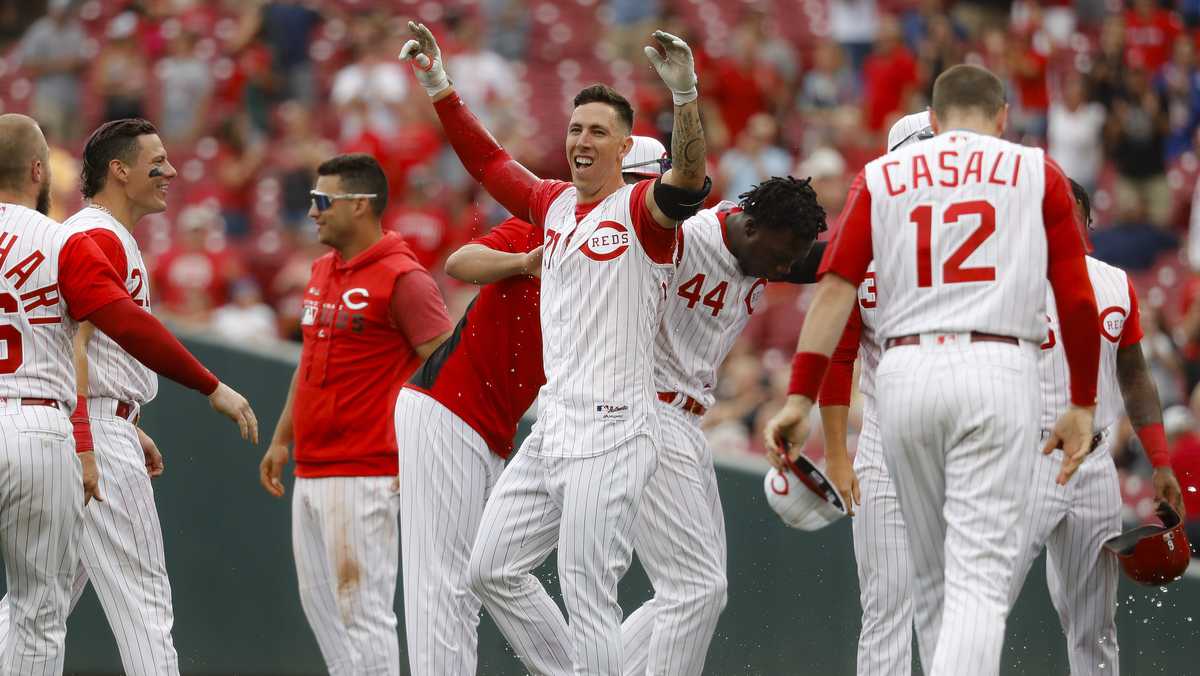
x=322 y=201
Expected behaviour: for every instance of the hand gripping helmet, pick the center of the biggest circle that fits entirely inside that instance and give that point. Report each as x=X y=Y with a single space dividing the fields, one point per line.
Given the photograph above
x=803 y=496
x=1153 y=555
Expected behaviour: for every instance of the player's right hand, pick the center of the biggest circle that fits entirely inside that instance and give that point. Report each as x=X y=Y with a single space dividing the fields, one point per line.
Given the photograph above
x=91 y=477
x=787 y=431
x=235 y=407
x=270 y=470
x=1073 y=433
x=426 y=59
x=841 y=472
x=533 y=262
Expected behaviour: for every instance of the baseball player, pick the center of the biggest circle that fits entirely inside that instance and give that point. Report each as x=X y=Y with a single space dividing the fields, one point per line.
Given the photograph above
x=1073 y=522
x=727 y=255
x=609 y=248
x=40 y=510
x=879 y=536
x=964 y=229
x=371 y=315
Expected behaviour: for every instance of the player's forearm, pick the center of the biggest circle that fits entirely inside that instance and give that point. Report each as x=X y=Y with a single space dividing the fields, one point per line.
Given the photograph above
x=283 y=428
x=79 y=345
x=482 y=156
x=835 y=427
x=819 y=336
x=149 y=342
x=689 y=151
x=479 y=264
x=1080 y=326
x=1142 y=404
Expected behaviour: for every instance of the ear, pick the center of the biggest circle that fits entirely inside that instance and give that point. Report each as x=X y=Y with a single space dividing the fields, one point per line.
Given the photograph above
x=1002 y=121
x=37 y=169
x=933 y=122
x=119 y=168
x=626 y=146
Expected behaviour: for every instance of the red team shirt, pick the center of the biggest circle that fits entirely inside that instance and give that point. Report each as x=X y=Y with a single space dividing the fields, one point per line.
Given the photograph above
x=361 y=320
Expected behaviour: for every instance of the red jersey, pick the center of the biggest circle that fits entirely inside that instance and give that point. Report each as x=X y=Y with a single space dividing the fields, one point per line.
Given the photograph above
x=489 y=372
x=357 y=353
x=1148 y=39
x=1185 y=460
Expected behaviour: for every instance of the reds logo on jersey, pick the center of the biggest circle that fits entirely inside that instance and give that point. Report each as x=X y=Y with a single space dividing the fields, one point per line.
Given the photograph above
x=1112 y=323
x=609 y=241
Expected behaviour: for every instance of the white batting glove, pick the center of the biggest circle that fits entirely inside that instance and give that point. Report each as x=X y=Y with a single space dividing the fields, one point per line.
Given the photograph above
x=677 y=68
x=426 y=59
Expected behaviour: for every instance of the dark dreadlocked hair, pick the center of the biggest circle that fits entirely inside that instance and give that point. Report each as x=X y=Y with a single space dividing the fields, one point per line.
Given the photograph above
x=785 y=203
x=1084 y=201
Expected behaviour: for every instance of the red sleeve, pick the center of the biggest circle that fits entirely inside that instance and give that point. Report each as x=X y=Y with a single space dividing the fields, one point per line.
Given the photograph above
x=110 y=245
x=81 y=426
x=148 y=341
x=511 y=236
x=503 y=177
x=539 y=203
x=86 y=280
x=1132 y=333
x=849 y=252
x=1067 y=272
x=839 y=379
x=659 y=242
x=417 y=308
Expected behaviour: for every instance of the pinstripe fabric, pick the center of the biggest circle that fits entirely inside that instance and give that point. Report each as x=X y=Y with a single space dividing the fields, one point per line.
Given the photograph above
x=120 y=551
x=881 y=554
x=446 y=475
x=40 y=504
x=585 y=506
x=679 y=536
x=346 y=543
x=958 y=428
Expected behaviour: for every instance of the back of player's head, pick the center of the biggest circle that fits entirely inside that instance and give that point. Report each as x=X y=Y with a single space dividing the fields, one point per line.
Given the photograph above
x=359 y=173
x=115 y=140
x=602 y=93
x=967 y=88
x=785 y=203
x=21 y=143
x=1083 y=200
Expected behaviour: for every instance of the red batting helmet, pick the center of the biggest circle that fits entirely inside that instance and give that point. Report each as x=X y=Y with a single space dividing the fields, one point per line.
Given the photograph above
x=1153 y=555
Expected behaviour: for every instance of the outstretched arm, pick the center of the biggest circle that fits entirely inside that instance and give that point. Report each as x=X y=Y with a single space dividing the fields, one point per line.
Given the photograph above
x=481 y=264
x=683 y=188
x=1145 y=414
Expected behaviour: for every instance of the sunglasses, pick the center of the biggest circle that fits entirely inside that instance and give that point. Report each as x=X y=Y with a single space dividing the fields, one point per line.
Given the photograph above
x=322 y=202
x=664 y=163
x=920 y=135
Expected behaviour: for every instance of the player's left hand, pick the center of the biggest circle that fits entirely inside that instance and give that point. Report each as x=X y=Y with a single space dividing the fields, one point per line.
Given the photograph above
x=227 y=401
x=1166 y=489
x=154 y=459
x=787 y=431
x=675 y=66
x=91 y=477
x=1073 y=433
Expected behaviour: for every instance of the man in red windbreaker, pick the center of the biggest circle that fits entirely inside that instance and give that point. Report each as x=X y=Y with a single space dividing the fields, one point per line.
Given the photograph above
x=372 y=314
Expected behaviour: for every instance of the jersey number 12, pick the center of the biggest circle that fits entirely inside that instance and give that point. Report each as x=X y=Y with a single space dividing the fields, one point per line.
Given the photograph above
x=953 y=271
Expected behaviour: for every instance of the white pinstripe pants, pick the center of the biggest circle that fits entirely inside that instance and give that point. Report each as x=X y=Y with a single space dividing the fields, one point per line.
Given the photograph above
x=584 y=506
x=346 y=542
x=881 y=554
x=446 y=475
x=679 y=536
x=1072 y=522
x=41 y=498
x=959 y=433
x=120 y=550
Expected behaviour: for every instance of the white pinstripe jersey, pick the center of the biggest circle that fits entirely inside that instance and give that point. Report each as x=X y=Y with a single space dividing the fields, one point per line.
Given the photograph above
x=869 y=349
x=600 y=309
x=111 y=371
x=36 y=358
x=958 y=237
x=707 y=306
x=1111 y=286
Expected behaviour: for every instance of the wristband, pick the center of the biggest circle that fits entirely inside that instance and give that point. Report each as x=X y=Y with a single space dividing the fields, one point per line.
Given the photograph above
x=81 y=428
x=684 y=98
x=1154 y=440
x=808 y=370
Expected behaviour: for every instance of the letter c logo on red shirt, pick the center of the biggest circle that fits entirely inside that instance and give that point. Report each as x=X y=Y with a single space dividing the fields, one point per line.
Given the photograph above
x=352 y=304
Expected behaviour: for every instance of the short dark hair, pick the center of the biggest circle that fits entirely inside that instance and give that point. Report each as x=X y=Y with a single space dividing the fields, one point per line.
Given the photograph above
x=785 y=203
x=602 y=93
x=115 y=140
x=1083 y=200
x=966 y=87
x=359 y=173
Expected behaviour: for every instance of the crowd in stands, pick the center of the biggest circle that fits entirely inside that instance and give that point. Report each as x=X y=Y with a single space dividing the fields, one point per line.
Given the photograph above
x=251 y=95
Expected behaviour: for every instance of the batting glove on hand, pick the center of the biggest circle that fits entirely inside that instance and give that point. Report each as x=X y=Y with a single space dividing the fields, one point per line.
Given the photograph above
x=426 y=58
x=675 y=66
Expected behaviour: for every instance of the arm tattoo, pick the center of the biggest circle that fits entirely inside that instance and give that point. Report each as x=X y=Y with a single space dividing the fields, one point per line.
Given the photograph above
x=1137 y=387
x=688 y=148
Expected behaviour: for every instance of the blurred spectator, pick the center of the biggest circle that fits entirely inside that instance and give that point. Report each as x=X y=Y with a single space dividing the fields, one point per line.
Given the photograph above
x=121 y=72
x=1076 y=128
x=889 y=76
x=1164 y=359
x=940 y=48
x=292 y=279
x=193 y=277
x=64 y=184
x=740 y=391
x=1136 y=133
x=187 y=86
x=1028 y=71
x=1150 y=30
x=1180 y=425
x=853 y=24
x=830 y=82
x=368 y=91
x=1178 y=83
x=53 y=53
x=299 y=151
x=237 y=162
x=287 y=28
x=1108 y=64
x=507 y=23
x=246 y=319
x=829 y=179
x=632 y=22
x=754 y=158
x=482 y=78
x=422 y=220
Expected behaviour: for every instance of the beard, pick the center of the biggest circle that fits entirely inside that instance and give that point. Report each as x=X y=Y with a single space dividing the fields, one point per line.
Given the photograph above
x=43 y=199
